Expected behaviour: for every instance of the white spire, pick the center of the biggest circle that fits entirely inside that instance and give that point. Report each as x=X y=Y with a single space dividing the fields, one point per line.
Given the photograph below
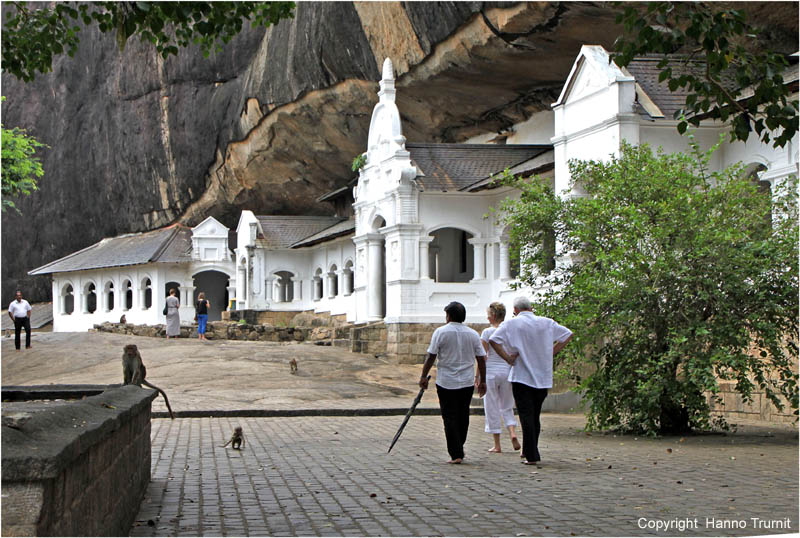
x=386 y=94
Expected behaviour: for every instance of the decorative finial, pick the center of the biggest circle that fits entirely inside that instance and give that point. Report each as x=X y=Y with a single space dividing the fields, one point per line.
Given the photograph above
x=388 y=70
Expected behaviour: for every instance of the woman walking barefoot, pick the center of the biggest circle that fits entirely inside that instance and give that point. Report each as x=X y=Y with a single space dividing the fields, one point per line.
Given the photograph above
x=499 y=400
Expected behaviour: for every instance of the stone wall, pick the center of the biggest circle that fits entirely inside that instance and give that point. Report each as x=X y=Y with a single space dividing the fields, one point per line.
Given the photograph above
x=408 y=342
x=77 y=469
x=734 y=408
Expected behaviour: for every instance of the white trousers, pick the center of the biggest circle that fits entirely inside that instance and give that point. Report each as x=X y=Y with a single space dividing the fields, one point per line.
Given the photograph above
x=498 y=403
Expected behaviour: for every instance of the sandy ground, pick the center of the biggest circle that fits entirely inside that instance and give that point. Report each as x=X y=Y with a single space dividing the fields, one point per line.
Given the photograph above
x=220 y=374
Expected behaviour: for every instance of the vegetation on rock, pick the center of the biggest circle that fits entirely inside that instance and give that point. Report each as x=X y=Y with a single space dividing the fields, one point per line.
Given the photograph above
x=20 y=166
x=34 y=33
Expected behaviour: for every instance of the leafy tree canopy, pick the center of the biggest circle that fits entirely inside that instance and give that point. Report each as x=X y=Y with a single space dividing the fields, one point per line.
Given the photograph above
x=20 y=166
x=34 y=33
x=677 y=280
x=723 y=70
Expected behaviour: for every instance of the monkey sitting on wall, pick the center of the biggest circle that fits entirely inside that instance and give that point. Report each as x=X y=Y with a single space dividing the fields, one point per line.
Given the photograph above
x=293 y=366
x=123 y=320
x=134 y=372
x=237 y=439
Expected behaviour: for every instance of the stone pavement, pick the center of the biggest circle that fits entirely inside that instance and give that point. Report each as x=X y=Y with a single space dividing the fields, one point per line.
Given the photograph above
x=331 y=476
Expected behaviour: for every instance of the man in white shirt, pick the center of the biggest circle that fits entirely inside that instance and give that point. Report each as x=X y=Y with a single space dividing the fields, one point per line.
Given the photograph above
x=455 y=345
x=20 y=313
x=529 y=343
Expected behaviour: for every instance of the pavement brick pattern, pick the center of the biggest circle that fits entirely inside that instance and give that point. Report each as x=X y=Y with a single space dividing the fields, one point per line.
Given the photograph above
x=331 y=476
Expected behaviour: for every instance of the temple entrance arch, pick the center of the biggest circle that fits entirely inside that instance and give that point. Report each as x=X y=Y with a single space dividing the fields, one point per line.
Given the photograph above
x=215 y=285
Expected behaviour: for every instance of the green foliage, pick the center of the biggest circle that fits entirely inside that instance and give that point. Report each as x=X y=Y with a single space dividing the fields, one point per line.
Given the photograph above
x=721 y=65
x=34 y=33
x=359 y=162
x=677 y=280
x=20 y=167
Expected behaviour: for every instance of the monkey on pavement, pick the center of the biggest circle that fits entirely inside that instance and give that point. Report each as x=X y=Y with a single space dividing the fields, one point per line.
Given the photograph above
x=293 y=366
x=236 y=440
x=134 y=372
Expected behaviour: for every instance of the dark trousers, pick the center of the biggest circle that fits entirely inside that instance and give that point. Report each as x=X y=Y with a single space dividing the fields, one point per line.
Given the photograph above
x=454 y=404
x=19 y=323
x=529 y=402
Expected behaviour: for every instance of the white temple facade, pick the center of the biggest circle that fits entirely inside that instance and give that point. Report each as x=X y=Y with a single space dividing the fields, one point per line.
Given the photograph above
x=420 y=234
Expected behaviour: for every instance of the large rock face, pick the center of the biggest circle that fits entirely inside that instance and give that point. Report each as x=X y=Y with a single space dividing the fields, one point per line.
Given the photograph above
x=275 y=119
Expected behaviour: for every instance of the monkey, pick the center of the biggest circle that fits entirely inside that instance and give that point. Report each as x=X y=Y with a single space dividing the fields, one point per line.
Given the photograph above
x=134 y=372
x=237 y=439
x=293 y=366
x=123 y=320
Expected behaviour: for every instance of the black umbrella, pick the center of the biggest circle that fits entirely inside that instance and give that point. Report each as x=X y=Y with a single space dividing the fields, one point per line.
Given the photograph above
x=408 y=416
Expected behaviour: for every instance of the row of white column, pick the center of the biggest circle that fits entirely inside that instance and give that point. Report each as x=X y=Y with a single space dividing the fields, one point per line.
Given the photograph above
x=335 y=283
x=479 y=253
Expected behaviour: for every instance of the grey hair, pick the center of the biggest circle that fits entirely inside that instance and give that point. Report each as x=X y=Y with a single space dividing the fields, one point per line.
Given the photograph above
x=522 y=303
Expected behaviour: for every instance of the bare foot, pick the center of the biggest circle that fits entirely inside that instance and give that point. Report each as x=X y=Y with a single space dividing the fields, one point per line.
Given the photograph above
x=456 y=461
x=495 y=450
x=515 y=443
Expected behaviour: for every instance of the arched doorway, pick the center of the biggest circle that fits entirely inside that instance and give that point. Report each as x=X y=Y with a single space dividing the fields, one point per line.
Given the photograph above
x=173 y=286
x=451 y=255
x=215 y=285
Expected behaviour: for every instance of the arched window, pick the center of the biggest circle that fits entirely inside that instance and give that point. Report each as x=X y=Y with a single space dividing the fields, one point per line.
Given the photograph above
x=67 y=299
x=348 y=278
x=318 y=284
x=127 y=289
x=451 y=256
x=108 y=294
x=172 y=286
x=284 y=287
x=90 y=302
x=146 y=292
x=333 y=282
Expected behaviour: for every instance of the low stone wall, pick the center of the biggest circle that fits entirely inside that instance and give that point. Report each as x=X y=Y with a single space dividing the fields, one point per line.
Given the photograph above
x=408 y=342
x=734 y=408
x=76 y=468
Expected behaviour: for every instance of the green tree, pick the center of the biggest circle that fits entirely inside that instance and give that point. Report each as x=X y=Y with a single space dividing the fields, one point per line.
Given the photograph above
x=34 y=33
x=677 y=281
x=726 y=72
x=20 y=167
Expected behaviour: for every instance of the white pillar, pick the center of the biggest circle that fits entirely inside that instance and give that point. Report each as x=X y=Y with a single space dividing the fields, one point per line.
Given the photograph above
x=231 y=295
x=340 y=281
x=424 y=257
x=331 y=287
x=297 y=290
x=269 y=284
x=479 y=260
x=505 y=261
x=375 y=246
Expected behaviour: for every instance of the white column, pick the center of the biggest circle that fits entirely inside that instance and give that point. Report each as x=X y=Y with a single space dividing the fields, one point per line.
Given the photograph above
x=424 y=257
x=375 y=282
x=505 y=261
x=269 y=284
x=231 y=295
x=297 y=290
x=186 y=311
x=340 y=281
x=241 y=289
x=331 y=280
x=479 y=260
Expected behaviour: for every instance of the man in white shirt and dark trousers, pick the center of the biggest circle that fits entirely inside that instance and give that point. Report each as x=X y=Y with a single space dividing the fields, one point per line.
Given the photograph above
x=455 y=345
x=529 y=343
x=20 y=313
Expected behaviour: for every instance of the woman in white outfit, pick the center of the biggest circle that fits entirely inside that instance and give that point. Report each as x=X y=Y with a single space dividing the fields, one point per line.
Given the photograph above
x=499 y=401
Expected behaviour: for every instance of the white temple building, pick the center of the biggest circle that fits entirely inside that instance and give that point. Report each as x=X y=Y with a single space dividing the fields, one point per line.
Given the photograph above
x=411 y=235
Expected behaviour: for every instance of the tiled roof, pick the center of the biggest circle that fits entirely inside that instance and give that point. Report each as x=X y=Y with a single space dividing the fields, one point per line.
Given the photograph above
x=171 y=244
x=285 y=231
x=452 y=167
x=540 y=164
x=337 y=230
x=645 y=70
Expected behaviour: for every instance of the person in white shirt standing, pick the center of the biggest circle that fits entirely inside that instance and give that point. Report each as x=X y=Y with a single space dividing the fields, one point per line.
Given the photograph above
x=20 y=313
x=498 y=404
x=455 y=345
x=529 y=343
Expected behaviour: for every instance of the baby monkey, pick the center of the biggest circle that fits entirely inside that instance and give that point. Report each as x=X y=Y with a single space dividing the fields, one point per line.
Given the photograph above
x=293 y=366
x=237 y=439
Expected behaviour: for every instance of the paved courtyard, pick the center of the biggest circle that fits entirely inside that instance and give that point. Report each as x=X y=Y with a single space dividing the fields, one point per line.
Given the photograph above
x=331 y=476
